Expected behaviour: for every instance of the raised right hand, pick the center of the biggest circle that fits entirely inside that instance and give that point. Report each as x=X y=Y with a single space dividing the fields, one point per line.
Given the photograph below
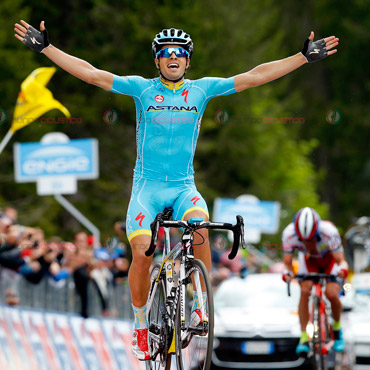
x=31 y=37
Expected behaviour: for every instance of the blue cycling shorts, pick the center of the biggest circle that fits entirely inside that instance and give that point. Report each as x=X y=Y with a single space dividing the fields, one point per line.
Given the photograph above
x=151 y=197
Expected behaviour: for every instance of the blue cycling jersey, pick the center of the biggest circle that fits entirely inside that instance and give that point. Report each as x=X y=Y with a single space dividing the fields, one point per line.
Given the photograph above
x=168 y=122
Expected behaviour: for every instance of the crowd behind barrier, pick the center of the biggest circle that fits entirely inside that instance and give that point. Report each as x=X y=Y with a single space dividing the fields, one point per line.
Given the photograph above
x=63 y=297
x=59 y=275
x=76 y=277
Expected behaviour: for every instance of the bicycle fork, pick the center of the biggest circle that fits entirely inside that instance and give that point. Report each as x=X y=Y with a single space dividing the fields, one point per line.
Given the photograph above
x=320 y=315
x=167 y=311
x=171 y=302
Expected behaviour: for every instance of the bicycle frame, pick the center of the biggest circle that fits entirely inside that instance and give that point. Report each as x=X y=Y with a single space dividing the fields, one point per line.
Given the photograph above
x=322 y=336
x=317 y=292
x=173 y=290
x=172 y=331
x=320 y=331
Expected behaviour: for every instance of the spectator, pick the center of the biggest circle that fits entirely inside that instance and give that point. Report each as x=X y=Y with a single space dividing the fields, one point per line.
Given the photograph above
x=102 y=276
x=5 y=222
x=119 y=228
x=12 y=298
x=120 y=268
x=12 y=214
x=15 y=240
x=81 y=264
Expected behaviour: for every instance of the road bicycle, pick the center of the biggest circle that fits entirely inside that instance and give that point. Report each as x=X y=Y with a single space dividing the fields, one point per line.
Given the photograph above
x=174 y=332
x=319 y=329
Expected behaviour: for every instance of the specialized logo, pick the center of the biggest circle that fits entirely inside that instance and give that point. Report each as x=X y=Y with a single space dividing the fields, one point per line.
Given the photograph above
x=185 y=93
x=195 y=200
x=316 y=51
x=159 y=98
x=140 y=217
x=175 y=108
x=34 y=41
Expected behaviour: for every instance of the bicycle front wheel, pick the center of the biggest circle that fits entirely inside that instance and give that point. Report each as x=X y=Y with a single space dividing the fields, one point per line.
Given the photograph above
x=194 y=340
x=159 y=336
x=319 y=336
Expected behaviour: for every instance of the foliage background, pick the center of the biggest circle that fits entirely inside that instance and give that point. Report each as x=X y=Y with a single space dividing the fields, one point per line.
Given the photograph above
x=316 y=163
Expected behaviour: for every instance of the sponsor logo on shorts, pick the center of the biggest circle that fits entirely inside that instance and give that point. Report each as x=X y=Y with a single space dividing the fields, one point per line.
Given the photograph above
x=140 y=217
x=195 y=200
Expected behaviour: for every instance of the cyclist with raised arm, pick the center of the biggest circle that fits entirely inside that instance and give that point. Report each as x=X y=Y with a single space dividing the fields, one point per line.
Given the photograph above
x=169 y=110
x=319 y=251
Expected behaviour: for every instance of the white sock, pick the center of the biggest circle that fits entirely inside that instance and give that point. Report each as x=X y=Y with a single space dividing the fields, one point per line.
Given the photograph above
x=196 y=300
x=141 y=321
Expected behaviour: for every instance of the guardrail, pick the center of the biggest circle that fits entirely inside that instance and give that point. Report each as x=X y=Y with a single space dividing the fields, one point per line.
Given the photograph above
x=62 y=296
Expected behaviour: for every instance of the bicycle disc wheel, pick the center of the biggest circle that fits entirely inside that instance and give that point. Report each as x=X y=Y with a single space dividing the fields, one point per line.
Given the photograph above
x=158 y=330
x=194 y=345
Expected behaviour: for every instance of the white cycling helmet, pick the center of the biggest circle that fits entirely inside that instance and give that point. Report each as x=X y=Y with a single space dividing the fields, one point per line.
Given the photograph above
x=172 y=36
x=306 y=223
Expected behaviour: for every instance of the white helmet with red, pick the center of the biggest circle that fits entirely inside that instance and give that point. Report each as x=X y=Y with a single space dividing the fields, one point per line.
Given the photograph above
x=306 y=223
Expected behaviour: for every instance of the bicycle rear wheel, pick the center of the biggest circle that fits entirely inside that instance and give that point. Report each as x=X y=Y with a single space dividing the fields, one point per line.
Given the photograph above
x=159 y=336
x=194 y=344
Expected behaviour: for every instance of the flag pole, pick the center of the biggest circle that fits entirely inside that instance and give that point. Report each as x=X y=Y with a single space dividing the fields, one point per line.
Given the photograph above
x=6 y=139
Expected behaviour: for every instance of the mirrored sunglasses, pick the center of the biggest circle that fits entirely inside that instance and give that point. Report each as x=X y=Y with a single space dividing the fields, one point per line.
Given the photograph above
x=167 y=52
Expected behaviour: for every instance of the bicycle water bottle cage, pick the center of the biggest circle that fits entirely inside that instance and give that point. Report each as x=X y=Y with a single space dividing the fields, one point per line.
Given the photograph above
x=195 y=220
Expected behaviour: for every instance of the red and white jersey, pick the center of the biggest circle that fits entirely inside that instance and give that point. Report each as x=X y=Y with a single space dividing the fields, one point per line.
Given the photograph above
x=327 y=240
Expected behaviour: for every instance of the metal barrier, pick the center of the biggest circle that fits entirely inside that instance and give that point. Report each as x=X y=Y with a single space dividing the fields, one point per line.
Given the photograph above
x=61 y=296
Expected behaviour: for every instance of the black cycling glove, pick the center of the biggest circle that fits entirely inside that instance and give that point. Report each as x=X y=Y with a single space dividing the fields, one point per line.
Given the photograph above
x=314 y=51
x=36 y=40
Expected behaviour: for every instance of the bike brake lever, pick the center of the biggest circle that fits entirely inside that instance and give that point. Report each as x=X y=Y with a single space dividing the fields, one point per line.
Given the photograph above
x=154 y=226
x=242 y=240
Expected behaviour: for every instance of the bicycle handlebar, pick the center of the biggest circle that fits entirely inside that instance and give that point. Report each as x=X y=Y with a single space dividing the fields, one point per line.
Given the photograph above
x=162 y=219
x=314 y=276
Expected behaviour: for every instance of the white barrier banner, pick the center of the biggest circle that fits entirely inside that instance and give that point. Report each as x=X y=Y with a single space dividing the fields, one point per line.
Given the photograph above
x=37 y=340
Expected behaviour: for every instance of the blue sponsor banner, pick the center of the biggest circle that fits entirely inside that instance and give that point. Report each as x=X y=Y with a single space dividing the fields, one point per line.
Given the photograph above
x=260 y=215
x=78 y=158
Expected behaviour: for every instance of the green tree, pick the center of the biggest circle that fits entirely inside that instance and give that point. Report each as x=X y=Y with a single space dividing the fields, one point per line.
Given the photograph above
x=315 y=163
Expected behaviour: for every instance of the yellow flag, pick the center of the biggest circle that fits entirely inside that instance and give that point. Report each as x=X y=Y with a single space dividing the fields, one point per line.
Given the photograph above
x=35 y=99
